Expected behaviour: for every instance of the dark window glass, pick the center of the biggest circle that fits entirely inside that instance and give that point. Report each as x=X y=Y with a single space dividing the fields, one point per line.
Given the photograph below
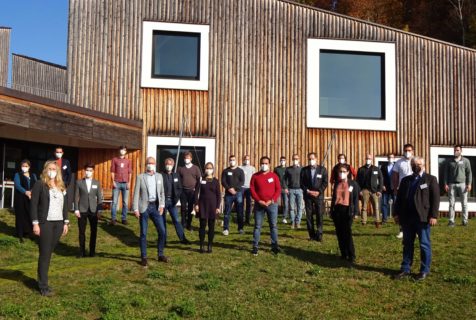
x=176 y=55
x=164 y=152
x=441 y=165
x=351 y=84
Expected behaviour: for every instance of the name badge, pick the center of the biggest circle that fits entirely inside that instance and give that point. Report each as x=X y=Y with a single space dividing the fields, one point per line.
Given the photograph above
x=64 y=193
x=319 y=176
x=65 y=167
x=122 y=165
x=94 y=186
x=460 y=162
x=423 y=186
x=159 y=182
x=351 y=188
x=175 y=179
x=375 y=172
x=203 y=182
x=270 y=180
x=230 y=173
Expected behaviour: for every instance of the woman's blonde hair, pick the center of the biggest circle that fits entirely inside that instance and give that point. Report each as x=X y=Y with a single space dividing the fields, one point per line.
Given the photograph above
x=58 y=179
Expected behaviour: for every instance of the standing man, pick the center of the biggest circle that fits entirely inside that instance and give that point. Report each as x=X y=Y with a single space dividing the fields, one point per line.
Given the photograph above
x=265 y=190
x=190 y=175
x=232 y=178
x=279 y=171
x=402 y=169
x=388 y=197
x=64 y=165
x=370 y=180
x=149 y=202
x=121 y=174
x=342 y=159
x=292 y=179
x=416 y=209
x=87 y=205
x=172 y=191
x=457 y=180
x=249 y=170
x=313 y=184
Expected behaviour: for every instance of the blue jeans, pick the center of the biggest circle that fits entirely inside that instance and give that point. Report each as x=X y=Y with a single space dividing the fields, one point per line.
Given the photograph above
x=295 y=201
x=386 y=206
x=410 y=230
x=121 y=188
x=272 y=212
x=159 y=225
x=247 y=203
x=172 y=209
x=284 y=204
x=229 y=200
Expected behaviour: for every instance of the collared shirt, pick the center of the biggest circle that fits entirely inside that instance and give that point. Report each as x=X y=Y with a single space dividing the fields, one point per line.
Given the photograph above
x=88 y=183
x=169 y=185
x=249 y=171
x=55 y=210
x=403 y=168
x=390 y=168
x=342 y=193
x=457 y=171
x=151 y=186
x=122 y=168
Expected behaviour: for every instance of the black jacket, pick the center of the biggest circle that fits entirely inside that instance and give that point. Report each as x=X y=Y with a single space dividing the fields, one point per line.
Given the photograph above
x=85 y=201
x=66 y=172
x=370 y=178
x=40 y=203
x=320 y=181
x=387 y=178
x=232 y=178
x=177 y=186
x=427 y=199
x=353 y=199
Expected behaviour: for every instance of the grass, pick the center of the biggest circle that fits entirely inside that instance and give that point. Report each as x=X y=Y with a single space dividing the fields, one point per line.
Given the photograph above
x=306 y=281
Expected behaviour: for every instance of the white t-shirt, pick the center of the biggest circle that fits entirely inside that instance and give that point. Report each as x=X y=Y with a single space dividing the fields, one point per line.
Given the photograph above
x=403 y=167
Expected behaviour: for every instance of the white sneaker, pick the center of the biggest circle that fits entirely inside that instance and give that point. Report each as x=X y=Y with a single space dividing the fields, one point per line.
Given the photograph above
x=226 y=232
x=285 y=221
x=400 y=235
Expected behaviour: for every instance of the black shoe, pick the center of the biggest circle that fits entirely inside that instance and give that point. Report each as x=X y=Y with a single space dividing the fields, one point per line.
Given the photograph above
x=46 y=292
x=254 y=251
x=190 y=228
x=143 y=262
x=82 y=254
x=163 y=259
x=319 y=238
x=421 y=276
x=185 y=241
x=451 y=224
x=124 y=222
x=202 y=249
x=113 y=222
x=276 y=250
x=465 y=223
x=21 y=240
x=209 y=249
x=401 y=275
x=92 y=254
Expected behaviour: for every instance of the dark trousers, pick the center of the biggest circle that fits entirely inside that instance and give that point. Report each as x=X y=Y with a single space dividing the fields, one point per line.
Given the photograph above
x=314 y=208
x=410 y=230
x=187 y=199
x=247 y=203
x=172 y=209
x=343 y=224
x=50 y=233
x=211 y=230
x=93 y=224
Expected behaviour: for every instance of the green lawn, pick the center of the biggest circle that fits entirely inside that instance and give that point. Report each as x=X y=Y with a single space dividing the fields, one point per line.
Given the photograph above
x=306 y=281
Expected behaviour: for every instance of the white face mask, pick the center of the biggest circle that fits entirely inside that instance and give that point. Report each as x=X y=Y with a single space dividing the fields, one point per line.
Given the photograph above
x=209 y=172
x=296 y=162
x=343 y=175
x=89 y=174
x=283 y=163
x=169 y=167
x=25 y=169
x=368 y=162
x=187 y=161
x=59 y=155
x=246 y=162
x=123 y=152
x=151 y=167
x=342 y=161
x=264 y=167
x=408 y=154
x=312 y=162
x=232 y=163
x=52 y=174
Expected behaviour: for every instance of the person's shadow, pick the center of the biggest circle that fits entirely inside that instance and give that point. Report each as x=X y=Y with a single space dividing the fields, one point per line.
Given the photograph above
x=18 y=276
x=7 y=229
x=122 y=233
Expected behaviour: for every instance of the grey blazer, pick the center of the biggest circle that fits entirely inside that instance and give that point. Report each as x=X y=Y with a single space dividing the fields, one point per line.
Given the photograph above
x=141 y=193
x=84 y=200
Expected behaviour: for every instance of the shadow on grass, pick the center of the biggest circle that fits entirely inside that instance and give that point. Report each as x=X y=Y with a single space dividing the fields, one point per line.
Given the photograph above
x=7 y=229
x=122 y=233
x=18 y=276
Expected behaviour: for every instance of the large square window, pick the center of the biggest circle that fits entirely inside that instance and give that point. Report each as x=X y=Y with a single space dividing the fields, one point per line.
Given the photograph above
x=351 y=85
x=174 y=56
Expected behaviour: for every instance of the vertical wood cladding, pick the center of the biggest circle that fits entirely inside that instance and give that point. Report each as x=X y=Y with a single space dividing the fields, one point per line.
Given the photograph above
x=4 y=52
x=256 y=102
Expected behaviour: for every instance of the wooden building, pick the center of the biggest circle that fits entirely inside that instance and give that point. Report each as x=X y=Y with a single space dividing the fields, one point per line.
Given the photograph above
x=265 y=77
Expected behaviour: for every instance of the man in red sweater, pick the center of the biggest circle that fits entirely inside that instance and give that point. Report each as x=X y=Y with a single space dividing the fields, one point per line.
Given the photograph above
x=265 y=190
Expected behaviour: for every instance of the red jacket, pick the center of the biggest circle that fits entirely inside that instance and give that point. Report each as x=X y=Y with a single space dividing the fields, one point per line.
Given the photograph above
x=265 y=186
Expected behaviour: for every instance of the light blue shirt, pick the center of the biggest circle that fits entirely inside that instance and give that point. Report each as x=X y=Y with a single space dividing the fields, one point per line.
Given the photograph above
x=151 y=186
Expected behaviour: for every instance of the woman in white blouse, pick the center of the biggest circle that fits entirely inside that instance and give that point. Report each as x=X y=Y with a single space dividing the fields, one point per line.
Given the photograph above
x=49 y=215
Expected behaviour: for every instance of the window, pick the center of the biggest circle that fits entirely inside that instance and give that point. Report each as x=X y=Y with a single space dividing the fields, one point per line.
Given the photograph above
x=439 y=155
x=351 y=85
x=174 y=56
x=164 y=152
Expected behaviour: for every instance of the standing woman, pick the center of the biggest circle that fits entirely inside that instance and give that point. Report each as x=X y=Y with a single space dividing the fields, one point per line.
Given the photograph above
x=344 y=206
x=24 y=182
x=208 y=197
x=49 y=215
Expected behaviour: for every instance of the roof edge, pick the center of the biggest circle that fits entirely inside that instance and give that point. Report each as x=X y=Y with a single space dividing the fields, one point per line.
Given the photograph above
x=40 y=61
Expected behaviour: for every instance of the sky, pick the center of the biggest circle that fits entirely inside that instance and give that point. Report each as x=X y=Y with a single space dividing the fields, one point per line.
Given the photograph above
x=39 y=28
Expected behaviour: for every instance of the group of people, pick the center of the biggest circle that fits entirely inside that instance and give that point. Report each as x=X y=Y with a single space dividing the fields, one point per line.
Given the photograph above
x=41 y=203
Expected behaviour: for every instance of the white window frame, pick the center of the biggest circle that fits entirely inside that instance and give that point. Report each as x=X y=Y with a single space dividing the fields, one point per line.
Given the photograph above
x=147 y=81
x=435 y=152
x=208 y=143
x=313 y=52
x=385 y=158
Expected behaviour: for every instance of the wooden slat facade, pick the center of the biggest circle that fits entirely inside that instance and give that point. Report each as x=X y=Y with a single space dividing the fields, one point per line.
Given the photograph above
x=4 y=53
x=40 y=78
x=256 y=102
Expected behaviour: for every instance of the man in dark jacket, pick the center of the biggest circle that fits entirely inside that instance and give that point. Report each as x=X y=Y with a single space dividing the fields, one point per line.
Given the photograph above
x=313 y=184
x=232 y=180
x=370 y=180
x=416 y=209
x=388 y=196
